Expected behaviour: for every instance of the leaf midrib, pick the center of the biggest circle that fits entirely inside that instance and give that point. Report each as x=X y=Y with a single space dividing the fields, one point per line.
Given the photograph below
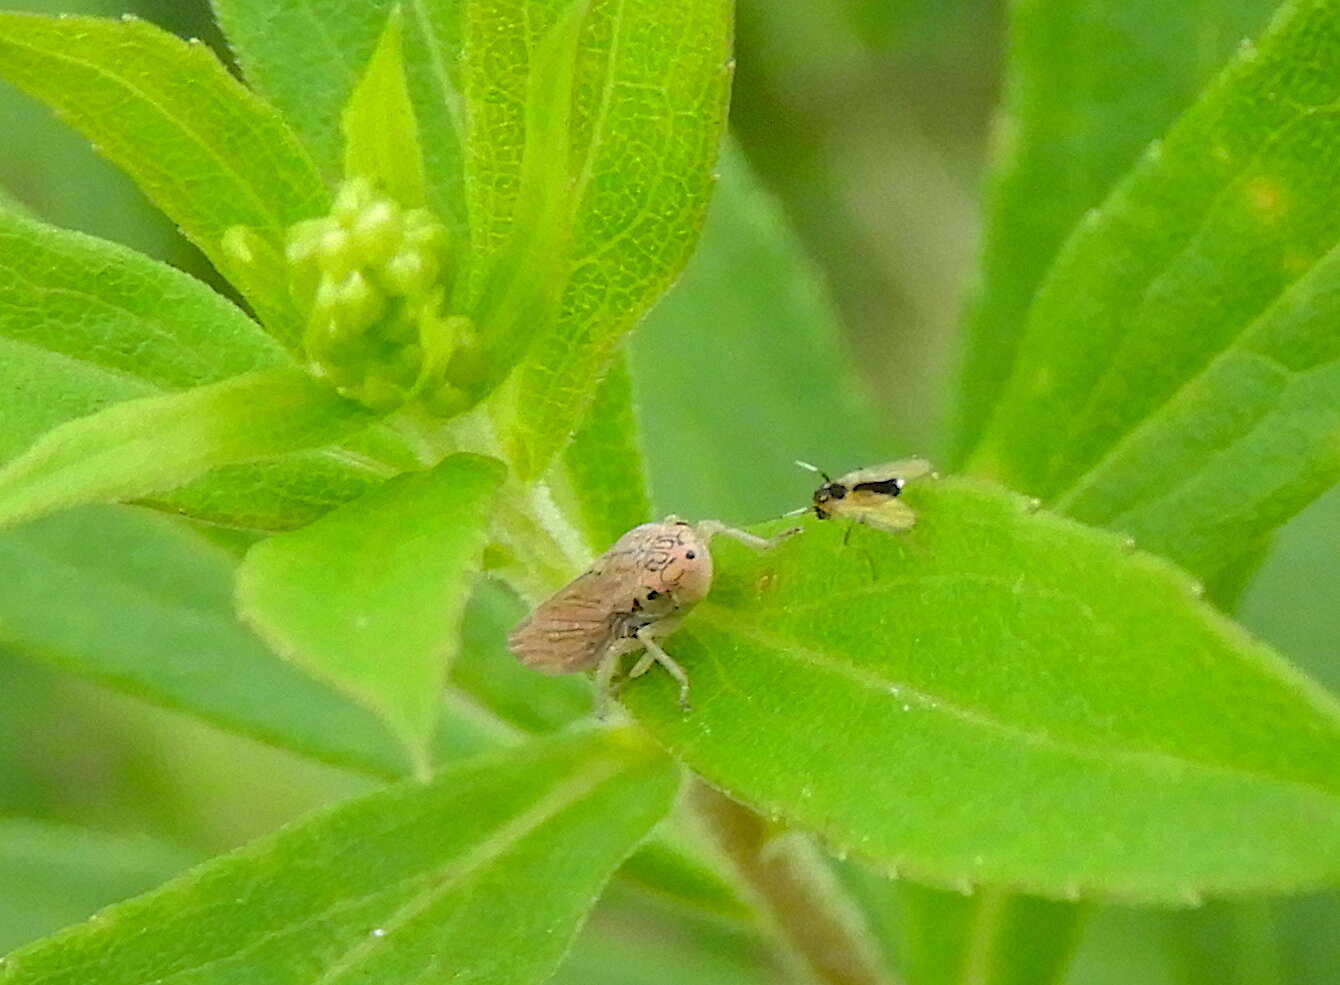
x=451 y=96
x=1193 y=238
x=509 y=834
x=506 y=836
x=1233 y=348
x=210 y=152
x=729 y=623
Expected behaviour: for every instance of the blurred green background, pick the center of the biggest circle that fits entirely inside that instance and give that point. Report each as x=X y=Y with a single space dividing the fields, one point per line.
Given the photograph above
x=844 y=249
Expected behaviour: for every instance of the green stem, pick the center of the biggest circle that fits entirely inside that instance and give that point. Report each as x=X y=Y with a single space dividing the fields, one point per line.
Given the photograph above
x=820 y=929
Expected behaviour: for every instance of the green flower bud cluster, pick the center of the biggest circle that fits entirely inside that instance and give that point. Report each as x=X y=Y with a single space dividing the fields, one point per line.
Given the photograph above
x=372 y=276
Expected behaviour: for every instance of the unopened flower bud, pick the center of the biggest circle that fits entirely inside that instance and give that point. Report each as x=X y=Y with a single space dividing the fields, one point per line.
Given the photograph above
x=376 y=233
x=353 y=197
x=359 y=301
x=409 y=272
x=335 y=254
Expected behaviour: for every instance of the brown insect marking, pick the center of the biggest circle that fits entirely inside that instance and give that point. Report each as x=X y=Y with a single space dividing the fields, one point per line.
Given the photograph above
x=658 y=561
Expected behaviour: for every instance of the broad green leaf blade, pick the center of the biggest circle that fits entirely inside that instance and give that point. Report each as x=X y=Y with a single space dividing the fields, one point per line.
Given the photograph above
x=603 y=467
x=1243 y=445
x=1207 y=284
x=483 y=875
x=278 y=494
x=741 y=369
x=306 y=56
x=141 y=447
x=988 y=938
x=85 y=191
x=136 y=601
x=381 y=134
x=1089 y=84
x=53 y=874
x=85 y=324
x=624 y=200
x=370 y=596
x=206 y=151
x=521 y=221
x=1027 y=702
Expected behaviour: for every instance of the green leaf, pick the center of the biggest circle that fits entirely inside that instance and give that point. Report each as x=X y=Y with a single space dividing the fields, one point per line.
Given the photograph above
x=86 y=323
x=54 y=874
x=1208 y=284
x=483 y=875
x=370 y=596
x=741 y=369
x=277 y=494
x=603 y=467
x=521 y=224
x=1047 y=709
x=85 y=192
x=988 y=938
x=381 y=134
x=206 y=151
x=306 y=56
x=1090 y=83
x=136 y=601
x=595 y=132
x=140 y=447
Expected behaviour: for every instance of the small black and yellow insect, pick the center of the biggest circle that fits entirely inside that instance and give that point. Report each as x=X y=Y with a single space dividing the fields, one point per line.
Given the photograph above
x=869 y=495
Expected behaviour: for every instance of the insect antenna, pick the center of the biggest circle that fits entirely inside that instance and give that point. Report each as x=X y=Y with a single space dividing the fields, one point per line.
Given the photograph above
x=813 y=468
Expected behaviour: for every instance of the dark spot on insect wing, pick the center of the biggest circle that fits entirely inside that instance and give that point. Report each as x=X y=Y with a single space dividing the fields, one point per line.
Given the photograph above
x=652 y=595
x=883 y=487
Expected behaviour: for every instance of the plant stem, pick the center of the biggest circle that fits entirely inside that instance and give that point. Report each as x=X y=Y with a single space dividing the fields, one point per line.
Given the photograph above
x=821 y=929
